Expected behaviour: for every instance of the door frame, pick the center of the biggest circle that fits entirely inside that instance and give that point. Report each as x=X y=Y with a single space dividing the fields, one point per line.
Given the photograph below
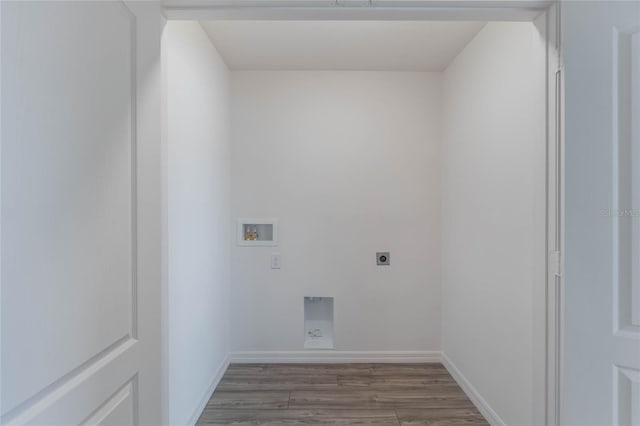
x=545 y=14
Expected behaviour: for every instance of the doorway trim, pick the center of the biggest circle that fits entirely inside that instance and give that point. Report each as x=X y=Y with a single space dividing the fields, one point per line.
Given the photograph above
x=545 y=14
x=321 y=10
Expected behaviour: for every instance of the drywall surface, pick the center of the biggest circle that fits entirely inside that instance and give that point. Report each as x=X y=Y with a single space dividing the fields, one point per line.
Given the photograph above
x=198 y=179
x=493 y=199
x=349 y=164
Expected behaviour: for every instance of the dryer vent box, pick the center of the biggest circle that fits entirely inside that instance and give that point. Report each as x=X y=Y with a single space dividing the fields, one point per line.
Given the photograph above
x=318 y=322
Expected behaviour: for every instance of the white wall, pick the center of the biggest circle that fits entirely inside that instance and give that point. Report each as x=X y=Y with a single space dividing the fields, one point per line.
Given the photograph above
x=493 y=202
x=349 y=163
x=198 y=179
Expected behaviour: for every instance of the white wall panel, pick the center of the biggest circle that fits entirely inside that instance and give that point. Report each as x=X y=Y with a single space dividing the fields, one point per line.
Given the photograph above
x=349 y=164
x=196 y=84
x=493 y=199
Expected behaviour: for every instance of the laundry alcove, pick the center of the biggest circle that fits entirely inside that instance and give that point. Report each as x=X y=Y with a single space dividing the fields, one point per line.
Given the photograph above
x=423 y=139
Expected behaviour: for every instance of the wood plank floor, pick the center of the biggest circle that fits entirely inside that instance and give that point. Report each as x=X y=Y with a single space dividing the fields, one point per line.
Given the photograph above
x=339 y=394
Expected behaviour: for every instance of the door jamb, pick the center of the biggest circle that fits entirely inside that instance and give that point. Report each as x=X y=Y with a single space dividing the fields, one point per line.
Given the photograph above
x=555 y=221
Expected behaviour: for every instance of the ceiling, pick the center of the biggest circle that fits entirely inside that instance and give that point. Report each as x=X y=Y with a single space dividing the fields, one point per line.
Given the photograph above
x=340 y=45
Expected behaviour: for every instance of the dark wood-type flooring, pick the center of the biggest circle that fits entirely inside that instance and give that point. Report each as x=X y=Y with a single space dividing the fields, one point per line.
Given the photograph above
x=339 y=394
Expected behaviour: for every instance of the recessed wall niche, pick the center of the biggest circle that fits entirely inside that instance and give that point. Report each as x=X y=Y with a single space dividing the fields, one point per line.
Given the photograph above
x=318 y=322
x=257 y=232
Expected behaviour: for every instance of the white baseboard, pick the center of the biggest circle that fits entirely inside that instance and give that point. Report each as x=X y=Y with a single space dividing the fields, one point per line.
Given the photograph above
x=330 y=356
x=473 y=394
x=207 y=395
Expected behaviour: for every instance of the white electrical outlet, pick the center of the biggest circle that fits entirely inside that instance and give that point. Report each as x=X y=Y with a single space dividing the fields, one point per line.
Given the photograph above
x=275 y=260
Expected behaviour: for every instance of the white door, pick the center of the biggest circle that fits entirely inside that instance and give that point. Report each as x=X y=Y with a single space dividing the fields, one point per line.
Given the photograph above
x=601 y=41
x=81 y=222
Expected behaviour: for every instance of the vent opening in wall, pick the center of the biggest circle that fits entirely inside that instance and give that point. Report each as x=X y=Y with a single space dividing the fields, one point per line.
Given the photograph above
x=257 y=232
x=318 y=322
